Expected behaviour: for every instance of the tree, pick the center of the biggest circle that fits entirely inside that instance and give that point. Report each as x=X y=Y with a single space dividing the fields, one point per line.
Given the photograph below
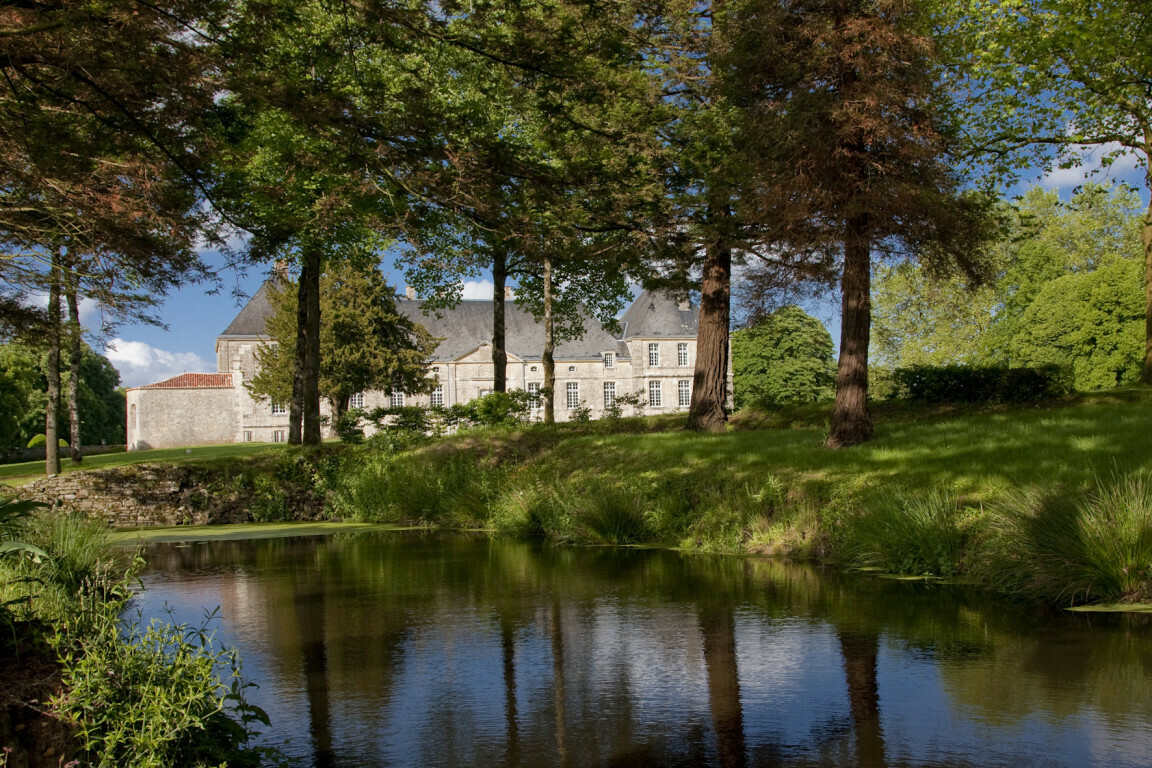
x=852 y=159
x=1090 y=323
x=100 y=400
x=926 y=319
x=1045 y=79
x=17 y=380
x=786 y=357
x=365 y=344
x=923 y=319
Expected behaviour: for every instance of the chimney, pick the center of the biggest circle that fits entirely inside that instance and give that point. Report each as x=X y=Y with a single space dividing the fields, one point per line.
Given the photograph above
x=508 y=292
x=409 y=292
x=280 y=269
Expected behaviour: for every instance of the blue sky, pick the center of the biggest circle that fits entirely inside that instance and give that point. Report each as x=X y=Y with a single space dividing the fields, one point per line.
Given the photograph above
x=194 y=318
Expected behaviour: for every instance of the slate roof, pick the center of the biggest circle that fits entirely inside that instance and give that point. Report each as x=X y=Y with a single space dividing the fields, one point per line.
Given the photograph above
x=655 y=314
x=253 y=318
x=194 y=381
x=469 y=324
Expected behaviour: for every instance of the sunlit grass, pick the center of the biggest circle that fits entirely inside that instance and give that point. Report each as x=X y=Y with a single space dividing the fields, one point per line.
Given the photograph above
x=18 y=474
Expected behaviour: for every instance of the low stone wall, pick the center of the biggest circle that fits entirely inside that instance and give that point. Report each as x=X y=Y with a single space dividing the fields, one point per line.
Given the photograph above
x=159 y=494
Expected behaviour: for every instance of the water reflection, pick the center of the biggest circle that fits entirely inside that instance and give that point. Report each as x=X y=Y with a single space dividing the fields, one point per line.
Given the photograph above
x=420 y=649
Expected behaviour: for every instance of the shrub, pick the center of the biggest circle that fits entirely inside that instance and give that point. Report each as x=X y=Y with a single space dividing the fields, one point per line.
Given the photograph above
x=154 y=697
x=1079 y=548
x=39 y=440
x=966 y=384
x=909 y=534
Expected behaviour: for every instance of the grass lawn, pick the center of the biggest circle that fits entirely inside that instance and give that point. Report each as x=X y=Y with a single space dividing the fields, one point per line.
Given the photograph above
x=18 y=474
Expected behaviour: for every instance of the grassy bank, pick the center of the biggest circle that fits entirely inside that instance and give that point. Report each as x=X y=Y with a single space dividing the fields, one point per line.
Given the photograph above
x=18 y=474
x=954 y=493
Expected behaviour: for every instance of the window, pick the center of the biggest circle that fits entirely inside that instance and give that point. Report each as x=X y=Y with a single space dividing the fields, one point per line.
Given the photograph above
x=654 y=398
x=279 y=409
x=682 y=355
x=572 y=389
x=485 y=392
x=279 y=436
x=247 y=436
x=609 y=359
x=534 y=394
x=685 y=390
x=131 y=418
x=396 y=399
x=356 y=401
x=609 y=394
x=437 y=397
x=653 y=355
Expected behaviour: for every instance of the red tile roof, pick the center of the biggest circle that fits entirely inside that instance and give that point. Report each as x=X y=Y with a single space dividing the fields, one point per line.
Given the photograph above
x=194 y=381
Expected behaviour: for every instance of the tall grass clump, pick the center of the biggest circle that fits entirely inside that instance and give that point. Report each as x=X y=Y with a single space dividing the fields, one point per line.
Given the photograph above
x=393 y=488
x=530 y=508
x=1075 y=549
x=907 y=533
x=609 y=514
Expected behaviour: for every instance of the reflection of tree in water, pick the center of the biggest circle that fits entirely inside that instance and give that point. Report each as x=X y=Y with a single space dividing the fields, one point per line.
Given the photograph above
x=355 y=609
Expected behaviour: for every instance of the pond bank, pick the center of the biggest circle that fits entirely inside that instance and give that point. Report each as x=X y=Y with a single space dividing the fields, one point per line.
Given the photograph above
x=943 y=493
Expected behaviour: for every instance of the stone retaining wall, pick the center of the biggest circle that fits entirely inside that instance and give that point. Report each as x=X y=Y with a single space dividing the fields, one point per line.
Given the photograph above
x=159 y=494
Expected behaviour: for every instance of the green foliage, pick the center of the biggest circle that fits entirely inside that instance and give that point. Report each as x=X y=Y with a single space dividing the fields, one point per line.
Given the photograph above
x=163 y=696
x=904 y=533
x=784 y=358
x=1092 y=323
x=922 y=319
x=365 y=343
x=1046 y=78
x=1075 y=548
x=965 y=384
x=40 y=439
x=102 y=402
x=1067 y=290
x=17 y=381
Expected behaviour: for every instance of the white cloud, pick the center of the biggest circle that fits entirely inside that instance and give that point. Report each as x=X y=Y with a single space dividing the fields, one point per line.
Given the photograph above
x=1125 y=168
x=141 y=363
x=477 y=289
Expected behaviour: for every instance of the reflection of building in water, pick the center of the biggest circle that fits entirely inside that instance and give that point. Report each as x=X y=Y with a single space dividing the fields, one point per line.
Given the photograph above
x=655 y=352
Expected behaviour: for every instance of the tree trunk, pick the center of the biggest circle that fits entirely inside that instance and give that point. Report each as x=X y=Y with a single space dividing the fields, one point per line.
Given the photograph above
x=549 y=348
x=70 y=289
x=860 y=651
x=1146 y=239
x=296 y=406
x=851 y=421
x=52 y=411
x=310 y=386
x=499 y=352
x=708 y=411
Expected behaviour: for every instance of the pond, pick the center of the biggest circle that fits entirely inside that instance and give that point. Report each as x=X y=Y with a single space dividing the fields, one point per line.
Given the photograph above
x=419 y=649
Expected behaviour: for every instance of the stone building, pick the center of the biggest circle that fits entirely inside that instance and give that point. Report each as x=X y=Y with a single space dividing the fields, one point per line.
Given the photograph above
x=655 y=352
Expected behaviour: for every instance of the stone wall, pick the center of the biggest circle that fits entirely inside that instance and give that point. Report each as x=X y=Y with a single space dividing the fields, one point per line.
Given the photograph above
x=160 y=494
x=173 y=418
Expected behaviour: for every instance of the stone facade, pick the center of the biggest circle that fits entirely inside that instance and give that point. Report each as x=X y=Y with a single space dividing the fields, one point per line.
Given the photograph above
x=654 y=352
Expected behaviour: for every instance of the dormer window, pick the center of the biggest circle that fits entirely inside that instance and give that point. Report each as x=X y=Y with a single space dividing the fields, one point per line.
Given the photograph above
x=609 y=359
